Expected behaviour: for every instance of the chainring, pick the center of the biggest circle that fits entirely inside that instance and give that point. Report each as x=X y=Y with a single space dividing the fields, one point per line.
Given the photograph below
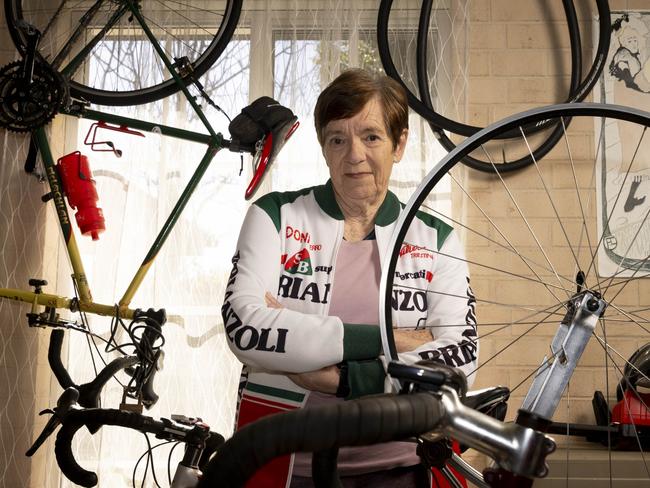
x=28 y=106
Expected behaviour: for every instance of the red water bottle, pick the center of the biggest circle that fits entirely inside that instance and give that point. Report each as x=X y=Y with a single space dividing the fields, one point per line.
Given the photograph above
x=79 y=187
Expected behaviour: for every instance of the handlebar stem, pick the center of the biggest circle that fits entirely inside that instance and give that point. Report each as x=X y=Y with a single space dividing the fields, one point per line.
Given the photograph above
x=517 y=449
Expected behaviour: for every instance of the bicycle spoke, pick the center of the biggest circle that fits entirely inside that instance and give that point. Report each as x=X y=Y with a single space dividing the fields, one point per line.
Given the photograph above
x=584 y=230
x=510 y=249
x=543 y=367
x=630 y=317
x=479 y=300
x=511 y=343
x=523 y=217
x=493 y=268
x=550 y=198
x=501 y=233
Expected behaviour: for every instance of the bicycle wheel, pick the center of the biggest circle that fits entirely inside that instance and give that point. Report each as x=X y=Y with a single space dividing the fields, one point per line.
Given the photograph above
x=103 y=50
x=423 y=105
x=579 y=226
x=577 y=91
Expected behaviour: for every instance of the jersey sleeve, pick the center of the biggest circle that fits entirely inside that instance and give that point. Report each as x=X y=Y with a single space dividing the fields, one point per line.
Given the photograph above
x=280 y=340
x=451 y=316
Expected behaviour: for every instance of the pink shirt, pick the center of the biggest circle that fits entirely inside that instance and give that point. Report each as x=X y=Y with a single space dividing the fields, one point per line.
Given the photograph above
x=355 y=300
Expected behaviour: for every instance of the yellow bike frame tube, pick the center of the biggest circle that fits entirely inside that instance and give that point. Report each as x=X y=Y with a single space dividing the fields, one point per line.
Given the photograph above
x=56 y=189
x=135 y=283
x=79 y=276
x=61 y=302
x=45 y=299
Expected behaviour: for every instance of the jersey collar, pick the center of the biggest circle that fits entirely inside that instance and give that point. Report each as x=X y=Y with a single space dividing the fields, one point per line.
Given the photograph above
x=387 y=214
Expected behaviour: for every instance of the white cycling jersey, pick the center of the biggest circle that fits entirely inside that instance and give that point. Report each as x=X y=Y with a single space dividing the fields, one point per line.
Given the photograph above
x=288 y=246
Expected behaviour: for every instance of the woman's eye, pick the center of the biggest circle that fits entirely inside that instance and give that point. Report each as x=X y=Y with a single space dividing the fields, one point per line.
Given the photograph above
x=335 y=141
x=373 y=137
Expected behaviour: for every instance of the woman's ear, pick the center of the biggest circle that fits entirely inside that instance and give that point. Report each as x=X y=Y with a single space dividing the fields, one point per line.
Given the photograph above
x=401 y=145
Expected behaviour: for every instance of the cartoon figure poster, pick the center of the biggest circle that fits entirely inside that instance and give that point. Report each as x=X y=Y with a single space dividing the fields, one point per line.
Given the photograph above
x=623 y=165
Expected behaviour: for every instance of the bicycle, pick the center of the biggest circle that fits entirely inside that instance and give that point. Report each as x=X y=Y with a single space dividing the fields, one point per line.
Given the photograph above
x=79 y=405
x=190 y=34
x=549 y=251
x=432 y=408
x=433 y=402
x=261 y=131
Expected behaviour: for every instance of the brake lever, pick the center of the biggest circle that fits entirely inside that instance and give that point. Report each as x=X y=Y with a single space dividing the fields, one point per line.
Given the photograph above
x=64 y=405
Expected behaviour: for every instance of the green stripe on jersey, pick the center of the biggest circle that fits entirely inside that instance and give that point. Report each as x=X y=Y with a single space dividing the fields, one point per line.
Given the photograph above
x=443 y=228
x=272 y=202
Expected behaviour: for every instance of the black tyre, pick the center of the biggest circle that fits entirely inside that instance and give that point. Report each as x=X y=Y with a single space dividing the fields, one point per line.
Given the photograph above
x=117 y=64
x=439 y=123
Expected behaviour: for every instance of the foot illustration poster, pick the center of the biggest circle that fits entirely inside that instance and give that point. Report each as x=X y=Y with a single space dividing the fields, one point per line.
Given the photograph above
x=622 y=178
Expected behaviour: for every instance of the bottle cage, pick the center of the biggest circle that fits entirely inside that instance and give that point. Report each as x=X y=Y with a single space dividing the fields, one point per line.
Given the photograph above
x=107 y=146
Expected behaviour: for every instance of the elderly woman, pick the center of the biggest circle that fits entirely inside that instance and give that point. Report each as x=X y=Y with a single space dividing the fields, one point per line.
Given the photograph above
x=301 y=307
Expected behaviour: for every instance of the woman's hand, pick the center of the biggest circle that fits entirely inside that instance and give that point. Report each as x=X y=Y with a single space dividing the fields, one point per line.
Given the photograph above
x=271 y=301
x=324 y=380
x=410 y=339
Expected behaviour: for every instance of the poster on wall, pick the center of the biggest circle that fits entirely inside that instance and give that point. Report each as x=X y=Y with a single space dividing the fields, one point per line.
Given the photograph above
x=623 y=167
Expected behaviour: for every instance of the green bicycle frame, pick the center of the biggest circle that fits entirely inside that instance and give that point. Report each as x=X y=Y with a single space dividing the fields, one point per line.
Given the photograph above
x=84 y=301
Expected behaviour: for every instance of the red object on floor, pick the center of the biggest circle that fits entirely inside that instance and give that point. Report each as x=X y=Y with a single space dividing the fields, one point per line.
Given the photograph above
x=632 y=409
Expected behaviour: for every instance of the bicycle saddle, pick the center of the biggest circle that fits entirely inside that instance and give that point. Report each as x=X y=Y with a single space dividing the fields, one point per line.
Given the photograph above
x=261 y=129
x=489 y=401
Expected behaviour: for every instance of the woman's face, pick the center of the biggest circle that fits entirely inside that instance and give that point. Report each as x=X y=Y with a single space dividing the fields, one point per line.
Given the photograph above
x=360 y=155
x=630 y=40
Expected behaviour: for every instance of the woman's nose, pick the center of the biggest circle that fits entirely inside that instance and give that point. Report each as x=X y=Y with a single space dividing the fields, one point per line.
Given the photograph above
x=356 y=150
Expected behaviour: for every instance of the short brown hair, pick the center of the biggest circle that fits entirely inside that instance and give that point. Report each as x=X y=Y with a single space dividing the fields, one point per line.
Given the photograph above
x=351 y=90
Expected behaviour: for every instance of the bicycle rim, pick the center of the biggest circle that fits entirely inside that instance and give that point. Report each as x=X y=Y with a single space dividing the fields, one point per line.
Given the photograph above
x=575 y=87
x=104 y=52
x=582 y=208
x=578 y=91
x=456 y=127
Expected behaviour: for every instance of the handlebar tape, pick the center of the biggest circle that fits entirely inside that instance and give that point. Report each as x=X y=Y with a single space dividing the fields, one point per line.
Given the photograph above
x=89 y=392
x=359 y=422
x=54 y=358
x=75 y=420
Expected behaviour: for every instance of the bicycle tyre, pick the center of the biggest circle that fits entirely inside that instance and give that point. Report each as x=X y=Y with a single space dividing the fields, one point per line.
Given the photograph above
x=467 y=130
x=577 y=94
x=502 y=271
x=577 y=89
x=138 y=90
x=358 y=422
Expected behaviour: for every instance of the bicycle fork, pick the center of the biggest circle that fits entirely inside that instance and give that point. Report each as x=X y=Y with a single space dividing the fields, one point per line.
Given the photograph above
x=570 y=341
